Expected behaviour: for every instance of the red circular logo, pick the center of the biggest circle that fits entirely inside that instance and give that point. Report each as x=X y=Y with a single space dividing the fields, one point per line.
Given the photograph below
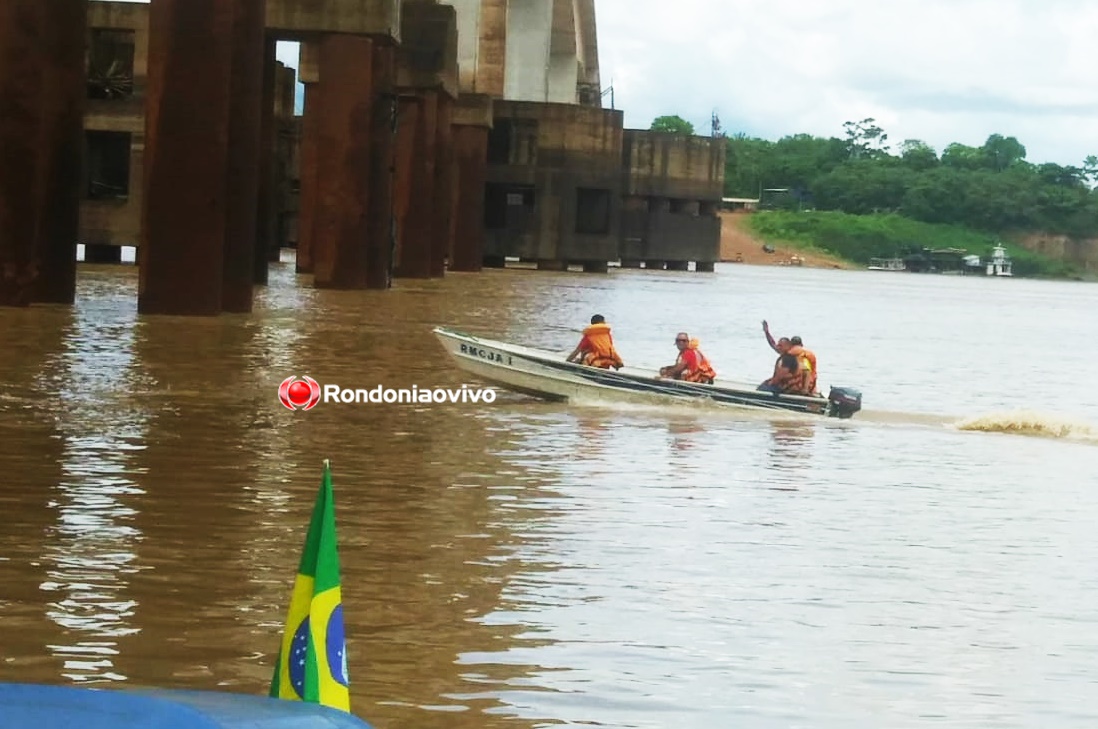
x=299 y=394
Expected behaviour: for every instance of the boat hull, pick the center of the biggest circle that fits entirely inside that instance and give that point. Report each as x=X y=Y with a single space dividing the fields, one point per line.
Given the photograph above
x=40 y=705
x=547 y=376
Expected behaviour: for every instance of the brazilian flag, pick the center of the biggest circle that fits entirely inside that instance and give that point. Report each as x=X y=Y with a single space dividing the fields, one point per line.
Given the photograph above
x=312 y=662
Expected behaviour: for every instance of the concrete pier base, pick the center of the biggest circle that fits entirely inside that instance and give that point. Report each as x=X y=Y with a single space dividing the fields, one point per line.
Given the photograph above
x=343 y=162
x=182 y=252
x=247 y=102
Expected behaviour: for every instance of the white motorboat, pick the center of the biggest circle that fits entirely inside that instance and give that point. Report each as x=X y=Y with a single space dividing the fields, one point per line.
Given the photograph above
x=546 y=375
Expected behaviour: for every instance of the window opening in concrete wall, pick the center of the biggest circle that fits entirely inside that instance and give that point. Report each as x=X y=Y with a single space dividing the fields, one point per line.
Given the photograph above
x=499 y=142
x=108 y=165
x=506 y=205
x=592 y=211
x=513 y=142
x=110 y=64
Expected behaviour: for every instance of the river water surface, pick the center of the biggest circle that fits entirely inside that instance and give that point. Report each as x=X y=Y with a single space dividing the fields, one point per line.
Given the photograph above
x=521 y=564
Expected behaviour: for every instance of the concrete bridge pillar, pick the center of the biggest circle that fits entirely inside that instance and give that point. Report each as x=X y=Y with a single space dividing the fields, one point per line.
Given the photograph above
x=64 y=25
x=344 y=225
x=442 y=200
x=383 y=129
x=249 y=108
x=201 y=113
x=266 y=229
x=415 y=182
x=471 y=123
x=41 y=148
x=20 y=114
x=340 y=232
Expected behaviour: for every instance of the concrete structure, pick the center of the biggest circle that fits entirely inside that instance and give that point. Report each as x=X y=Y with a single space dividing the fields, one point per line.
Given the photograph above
x=553 y=190
x=566 y=184
x=114 y=124
x=427 y=87
x=434 y=135
x=672 y=191
x=529 y=50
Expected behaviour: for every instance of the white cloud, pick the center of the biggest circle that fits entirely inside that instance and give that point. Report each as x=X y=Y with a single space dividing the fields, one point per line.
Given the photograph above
x=938 y=70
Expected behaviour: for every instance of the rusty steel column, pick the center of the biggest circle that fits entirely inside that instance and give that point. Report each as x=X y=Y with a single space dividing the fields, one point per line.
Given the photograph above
x=182 y=252
x=20 y=112
x=308 y=197
x=442 y=200
x=403 y=156
x=265 y=208
x=417 y=165
x=343 y=162
x=471 y=161
x=61 y=150
x=379 y=251
x=246 y=112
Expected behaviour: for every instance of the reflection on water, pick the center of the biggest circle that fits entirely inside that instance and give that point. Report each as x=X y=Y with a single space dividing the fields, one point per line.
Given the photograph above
x=791 y=452
x=528 y=564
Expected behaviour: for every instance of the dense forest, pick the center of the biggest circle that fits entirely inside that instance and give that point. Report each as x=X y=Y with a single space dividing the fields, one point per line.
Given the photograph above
x=989 y=188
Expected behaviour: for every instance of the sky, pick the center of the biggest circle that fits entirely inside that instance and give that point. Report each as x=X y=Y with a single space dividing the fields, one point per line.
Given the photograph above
x=940 y=71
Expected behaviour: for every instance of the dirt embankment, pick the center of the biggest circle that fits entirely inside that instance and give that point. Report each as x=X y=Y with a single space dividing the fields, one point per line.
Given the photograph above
x=739 y=245
x=1082 y=252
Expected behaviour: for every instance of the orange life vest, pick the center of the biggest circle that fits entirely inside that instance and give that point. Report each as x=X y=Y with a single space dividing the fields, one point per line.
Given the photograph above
x=806 y=363
x=602 y=354
x=704 y=372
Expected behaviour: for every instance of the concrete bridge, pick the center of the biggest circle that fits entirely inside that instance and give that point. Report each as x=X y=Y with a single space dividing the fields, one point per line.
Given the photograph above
x=434 y=137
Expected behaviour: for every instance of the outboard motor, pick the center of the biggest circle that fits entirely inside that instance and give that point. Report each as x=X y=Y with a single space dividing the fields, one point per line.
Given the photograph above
x=844 y=402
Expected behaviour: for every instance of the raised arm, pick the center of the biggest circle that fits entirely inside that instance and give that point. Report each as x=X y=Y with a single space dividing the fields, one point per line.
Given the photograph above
x=769 y=338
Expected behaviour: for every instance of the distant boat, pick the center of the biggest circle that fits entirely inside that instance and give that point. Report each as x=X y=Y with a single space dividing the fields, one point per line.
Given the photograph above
x=887 y=264
x=1000 y=264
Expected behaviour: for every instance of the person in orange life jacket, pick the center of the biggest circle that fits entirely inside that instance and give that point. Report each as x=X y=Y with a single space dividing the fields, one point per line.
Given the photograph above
x=788 y=376
x=691 y=365
x=806 y=358
x=596 y=349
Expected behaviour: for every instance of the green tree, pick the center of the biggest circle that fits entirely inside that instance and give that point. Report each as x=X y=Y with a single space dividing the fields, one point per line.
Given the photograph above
x=962 y=157
x=672 y=124
x=1003 y=152
x=1090 y=169
x=918 y=155
x=747 y=166
x=865 y=139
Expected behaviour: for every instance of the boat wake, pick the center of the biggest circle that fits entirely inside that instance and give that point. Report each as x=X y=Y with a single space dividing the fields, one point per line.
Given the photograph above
x=1031 y=423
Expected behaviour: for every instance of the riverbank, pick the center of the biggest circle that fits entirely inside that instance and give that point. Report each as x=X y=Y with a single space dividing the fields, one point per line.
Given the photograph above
x=739 y=244
x=838 y=240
